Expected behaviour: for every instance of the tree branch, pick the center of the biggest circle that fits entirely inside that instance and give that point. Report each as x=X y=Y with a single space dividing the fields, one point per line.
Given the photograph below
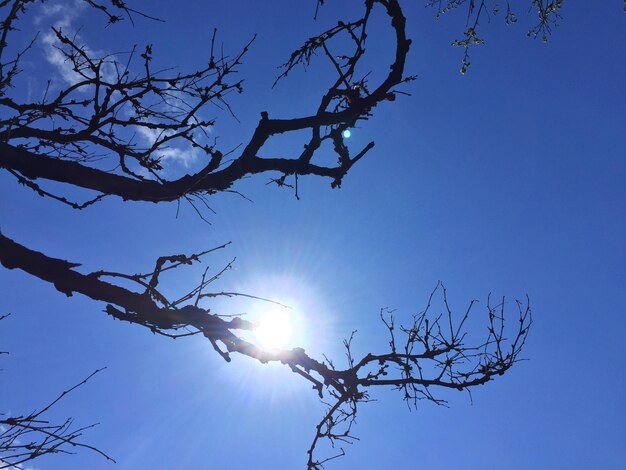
x=168 y=107
x=433 y=356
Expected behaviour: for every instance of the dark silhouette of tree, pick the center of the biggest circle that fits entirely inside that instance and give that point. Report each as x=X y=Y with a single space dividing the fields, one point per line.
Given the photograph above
x=66 y=135
x=25 y=437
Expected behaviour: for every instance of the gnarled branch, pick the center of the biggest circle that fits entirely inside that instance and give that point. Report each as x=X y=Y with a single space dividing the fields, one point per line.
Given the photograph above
x=110 y=108
x=432 y=355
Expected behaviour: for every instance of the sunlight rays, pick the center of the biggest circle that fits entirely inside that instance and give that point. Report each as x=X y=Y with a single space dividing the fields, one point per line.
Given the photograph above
x=274 y=329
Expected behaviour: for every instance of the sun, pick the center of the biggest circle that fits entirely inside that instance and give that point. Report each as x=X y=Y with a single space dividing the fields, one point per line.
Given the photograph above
x=274 y=329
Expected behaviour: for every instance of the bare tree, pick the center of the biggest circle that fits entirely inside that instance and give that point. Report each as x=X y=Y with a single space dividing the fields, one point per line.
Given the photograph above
x=26 y=437
x=66 y=135
x=547 y=11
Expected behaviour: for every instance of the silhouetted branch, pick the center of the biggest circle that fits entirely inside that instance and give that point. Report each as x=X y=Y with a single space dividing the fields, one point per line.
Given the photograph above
x=433 y=356
x=431 y=353
x=122 y=110
x=2 y=317
x=24 y=438
x=547 y=11
x=110 y=110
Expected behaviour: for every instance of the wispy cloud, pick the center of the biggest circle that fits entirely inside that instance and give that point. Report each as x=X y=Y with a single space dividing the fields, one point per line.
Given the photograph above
x=62 y=16
x=186 y=156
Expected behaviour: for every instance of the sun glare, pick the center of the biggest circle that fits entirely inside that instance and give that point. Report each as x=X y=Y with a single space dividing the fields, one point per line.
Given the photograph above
x=274 y=329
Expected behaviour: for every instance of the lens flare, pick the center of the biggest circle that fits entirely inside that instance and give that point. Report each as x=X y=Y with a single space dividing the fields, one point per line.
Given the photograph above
x=274 y=329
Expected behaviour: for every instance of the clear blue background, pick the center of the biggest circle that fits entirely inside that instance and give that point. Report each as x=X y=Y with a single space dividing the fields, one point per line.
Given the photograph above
x=510 y=180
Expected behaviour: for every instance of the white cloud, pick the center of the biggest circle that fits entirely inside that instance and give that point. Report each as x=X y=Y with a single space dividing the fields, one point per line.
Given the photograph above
x=62 y=16
x=182 y=156
x=63 y=13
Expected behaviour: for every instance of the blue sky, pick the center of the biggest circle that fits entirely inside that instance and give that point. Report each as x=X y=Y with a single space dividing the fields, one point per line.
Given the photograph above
x=509 y=180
